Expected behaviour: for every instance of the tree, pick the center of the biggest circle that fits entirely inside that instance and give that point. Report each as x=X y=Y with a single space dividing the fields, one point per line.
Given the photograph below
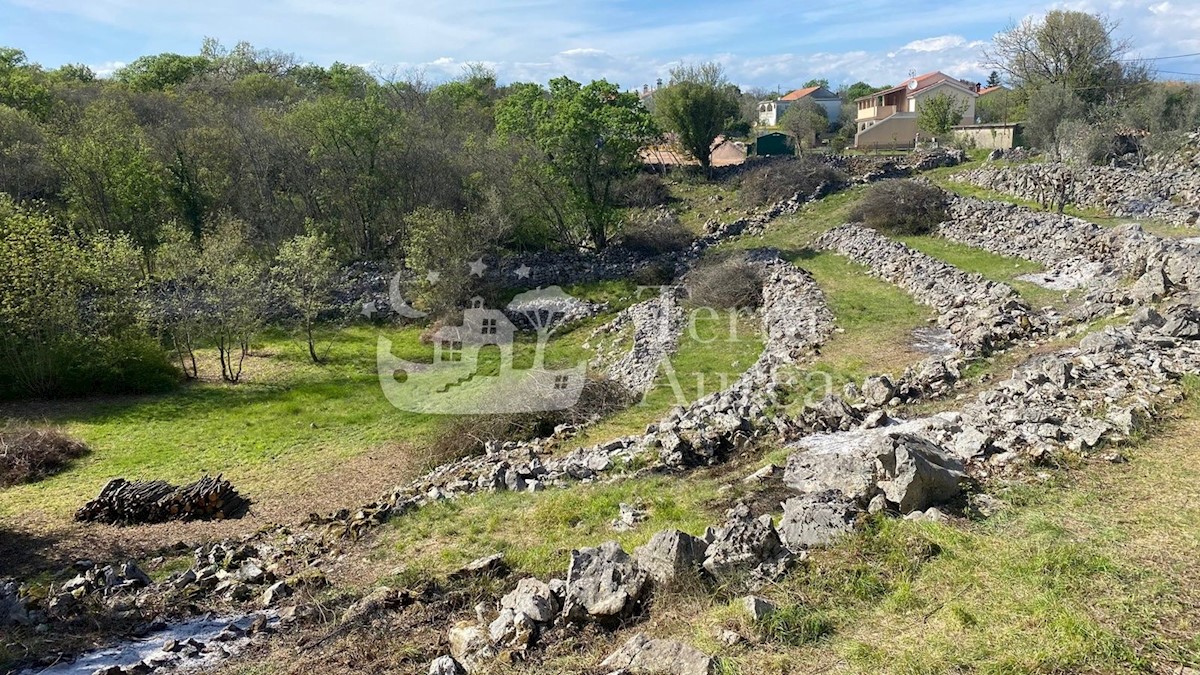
x=232 y=281
x=993 y=79
x=1073 y=50
x=939 y=113
x=304 y=275
x=1048 y=107
x=113 y=182
x=822 y=82
x=857 y=91
x=805 y=120
x=587 y=137
x=698 y=105
x=22 y=84
x=162 y=71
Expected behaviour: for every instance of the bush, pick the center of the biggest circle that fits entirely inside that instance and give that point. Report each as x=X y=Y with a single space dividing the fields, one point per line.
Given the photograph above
x=652 y=232
x=643 y=191
x=725 y=282
x=469 y=435
x=28 y=455
x=781 y=179
x=901 y=206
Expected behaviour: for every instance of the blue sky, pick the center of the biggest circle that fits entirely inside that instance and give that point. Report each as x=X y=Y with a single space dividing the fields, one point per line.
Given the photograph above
x=767 y=44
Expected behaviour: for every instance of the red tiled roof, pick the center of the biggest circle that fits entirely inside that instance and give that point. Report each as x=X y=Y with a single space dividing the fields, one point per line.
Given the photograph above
x=988 y=90
x=798 y=94
x=923 y=81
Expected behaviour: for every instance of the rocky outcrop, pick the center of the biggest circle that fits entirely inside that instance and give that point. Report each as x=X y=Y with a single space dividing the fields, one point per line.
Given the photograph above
x=983 y=315
x=671 y=555
x=746 y=547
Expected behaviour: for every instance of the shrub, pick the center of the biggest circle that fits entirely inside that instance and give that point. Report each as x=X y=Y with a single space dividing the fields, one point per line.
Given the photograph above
x=468 y=435
x=652 y=232
x=725 y=282
x=901 y=206
x=781 y=179
x=28 y=455
x=643 y=191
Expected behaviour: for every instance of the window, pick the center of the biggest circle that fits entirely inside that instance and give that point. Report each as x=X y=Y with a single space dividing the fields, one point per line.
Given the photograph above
x=488 y=327
x=561 y=381
x=452 y=351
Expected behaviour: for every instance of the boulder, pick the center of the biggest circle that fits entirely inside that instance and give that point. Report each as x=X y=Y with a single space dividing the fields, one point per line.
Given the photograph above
x=878 y=390
x=746 y=545
x=914 y=473
x=670 y=554
x=532 y=598
x=850 y=472
x=603 y=584
x=12 y=607
x=1183 y=321
x=816 y=520
x=470 y=646
x=643 y=656
x=512 y=629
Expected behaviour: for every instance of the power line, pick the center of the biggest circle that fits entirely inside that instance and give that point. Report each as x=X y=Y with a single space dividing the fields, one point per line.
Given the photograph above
x=1176 y=72
x=1164 y=58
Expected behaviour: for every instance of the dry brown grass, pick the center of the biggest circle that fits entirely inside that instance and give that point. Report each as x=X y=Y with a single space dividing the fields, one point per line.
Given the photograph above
x=30 y=454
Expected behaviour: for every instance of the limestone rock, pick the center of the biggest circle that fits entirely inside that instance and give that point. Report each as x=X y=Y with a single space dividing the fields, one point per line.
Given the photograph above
x=816 y=520
x=643 y=656
x=532 y=598
x=915 y=473
x=670 y=554
x=603 y=584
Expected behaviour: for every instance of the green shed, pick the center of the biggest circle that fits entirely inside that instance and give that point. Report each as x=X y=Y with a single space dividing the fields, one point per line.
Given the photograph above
x=774 y=143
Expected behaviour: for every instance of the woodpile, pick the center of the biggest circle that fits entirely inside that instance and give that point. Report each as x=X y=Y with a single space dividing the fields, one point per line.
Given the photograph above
x=123 y=502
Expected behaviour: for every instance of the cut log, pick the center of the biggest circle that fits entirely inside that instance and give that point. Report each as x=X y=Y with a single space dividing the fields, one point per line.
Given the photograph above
x=123 y=502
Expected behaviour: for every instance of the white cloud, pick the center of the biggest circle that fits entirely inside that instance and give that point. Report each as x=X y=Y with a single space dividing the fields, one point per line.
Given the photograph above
x=935 y=44
x=107 y=68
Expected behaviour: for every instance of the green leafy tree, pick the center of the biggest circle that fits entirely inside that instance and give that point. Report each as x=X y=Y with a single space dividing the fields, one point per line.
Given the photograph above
x=22 y=84
x=1048 y=107
x=1072 y=50
x=817 y=82
x=857 y=91
x=939 y=113
x=232 y=282
x=113 y=182
x=805 y=120
x=993 y=79
x=162 y=71
x=698 y=105
x=585 y=138
x=305 y=276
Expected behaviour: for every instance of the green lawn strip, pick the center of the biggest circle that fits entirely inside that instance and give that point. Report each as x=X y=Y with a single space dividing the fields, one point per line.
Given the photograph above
x=875 y=321
x=715 y=348
x=991 y=266
x=536 y=531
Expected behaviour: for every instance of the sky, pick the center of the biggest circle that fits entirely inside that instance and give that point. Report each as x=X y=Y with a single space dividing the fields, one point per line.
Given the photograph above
x=772 y=45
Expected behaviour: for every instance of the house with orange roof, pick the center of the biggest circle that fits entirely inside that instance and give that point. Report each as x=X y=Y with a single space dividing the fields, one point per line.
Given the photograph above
x=888 y=118
x=771 y=112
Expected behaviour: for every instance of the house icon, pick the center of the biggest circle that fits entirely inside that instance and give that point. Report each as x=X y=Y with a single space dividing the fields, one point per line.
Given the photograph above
x=481 y=327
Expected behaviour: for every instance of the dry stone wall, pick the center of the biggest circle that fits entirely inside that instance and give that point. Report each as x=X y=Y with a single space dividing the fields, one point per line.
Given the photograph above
x=983 y=315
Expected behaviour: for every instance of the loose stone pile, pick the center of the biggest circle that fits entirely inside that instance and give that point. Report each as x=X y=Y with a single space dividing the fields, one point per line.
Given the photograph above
x=1180 y=170
x=983 y=315
x=656 y=326
x=1123 y=192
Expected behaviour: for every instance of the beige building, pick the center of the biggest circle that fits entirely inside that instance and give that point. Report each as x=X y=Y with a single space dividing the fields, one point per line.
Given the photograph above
x=889 y=118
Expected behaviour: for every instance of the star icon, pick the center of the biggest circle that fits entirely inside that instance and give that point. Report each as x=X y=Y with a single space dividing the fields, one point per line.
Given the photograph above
x=522 y=272
x=369 y=309
x=478 y=267
x=432 y=277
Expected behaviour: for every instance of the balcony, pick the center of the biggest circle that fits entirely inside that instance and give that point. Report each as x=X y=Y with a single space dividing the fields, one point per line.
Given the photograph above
x=876 y=112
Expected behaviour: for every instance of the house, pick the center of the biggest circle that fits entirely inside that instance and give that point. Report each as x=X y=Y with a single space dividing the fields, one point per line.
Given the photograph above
x=770 y=113
x=888 y=118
